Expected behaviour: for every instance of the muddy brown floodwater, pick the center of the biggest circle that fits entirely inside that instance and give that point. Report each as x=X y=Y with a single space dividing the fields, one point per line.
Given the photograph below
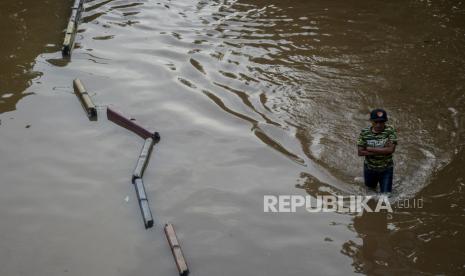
x=251 y=98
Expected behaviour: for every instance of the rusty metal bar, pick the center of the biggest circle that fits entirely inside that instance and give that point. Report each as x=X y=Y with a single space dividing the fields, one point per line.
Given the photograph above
x=85 y=99
x=131 y=125
x=176 y=250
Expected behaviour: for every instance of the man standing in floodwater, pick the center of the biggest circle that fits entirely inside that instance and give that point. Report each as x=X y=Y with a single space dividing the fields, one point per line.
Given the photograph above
x=377 y=143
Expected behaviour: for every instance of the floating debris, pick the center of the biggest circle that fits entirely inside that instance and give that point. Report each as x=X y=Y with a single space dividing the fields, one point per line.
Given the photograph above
x=143 y=203
x=176 y=250
x=131 y=125
x=144 y=157
x=150 y=139
x=142 y=162
x=68 y=43
x=86 y=101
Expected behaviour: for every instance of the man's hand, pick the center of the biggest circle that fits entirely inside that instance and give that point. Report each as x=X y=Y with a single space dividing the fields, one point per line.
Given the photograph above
x=363 y=151
x=388 y=148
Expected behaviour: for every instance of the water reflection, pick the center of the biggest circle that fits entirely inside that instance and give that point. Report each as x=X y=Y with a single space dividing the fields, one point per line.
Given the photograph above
x=26 y=34
x=415 y=240
x=376 y=255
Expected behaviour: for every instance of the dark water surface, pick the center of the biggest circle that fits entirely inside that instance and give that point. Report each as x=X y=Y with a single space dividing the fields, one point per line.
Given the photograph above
x=251 y=98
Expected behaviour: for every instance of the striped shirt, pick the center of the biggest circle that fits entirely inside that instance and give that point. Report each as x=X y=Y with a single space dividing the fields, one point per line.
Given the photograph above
x=367 y=138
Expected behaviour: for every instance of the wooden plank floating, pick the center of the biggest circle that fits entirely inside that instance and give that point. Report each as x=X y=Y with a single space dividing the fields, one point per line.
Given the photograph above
x=143 y=203
x=143 y=159
x=68 y=43
x=176 y=250
x=85 y=99
x=131 y=125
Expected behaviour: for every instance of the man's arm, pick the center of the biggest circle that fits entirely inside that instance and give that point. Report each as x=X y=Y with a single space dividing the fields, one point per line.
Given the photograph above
x=362 y=145
x=362 y=151
x=389 y=148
